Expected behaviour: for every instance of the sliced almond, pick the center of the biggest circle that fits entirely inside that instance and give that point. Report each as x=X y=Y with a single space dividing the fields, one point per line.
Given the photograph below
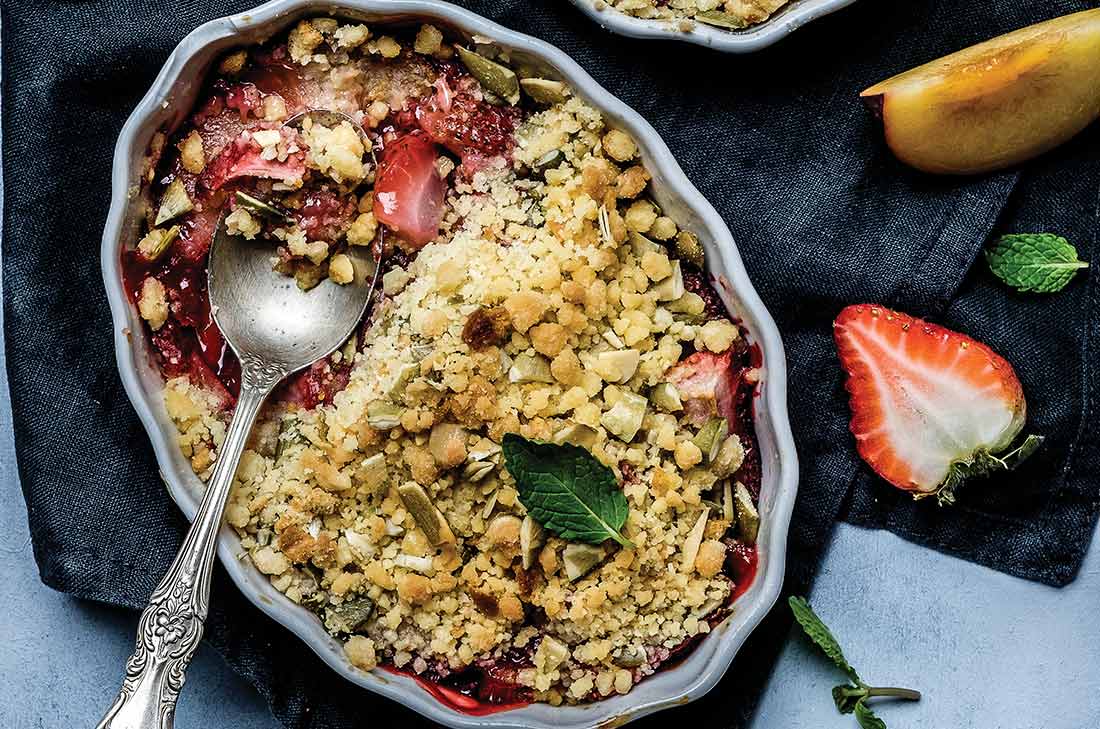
x=531 y=538
x=666 y=397
x=693 y=541
x=672 y=287
x=580 y=559
x=576 y=434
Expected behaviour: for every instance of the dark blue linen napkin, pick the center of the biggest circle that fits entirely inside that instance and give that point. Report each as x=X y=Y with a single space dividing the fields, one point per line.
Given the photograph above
x=823 y=214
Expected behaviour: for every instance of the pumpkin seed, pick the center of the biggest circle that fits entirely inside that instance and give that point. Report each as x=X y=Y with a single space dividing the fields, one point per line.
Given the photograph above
x=427 y=516
x=748 y=518
x=617 y=366
x=382 y=415
x=174 y=203
x=629 y=656
x=729 y=458
x=687 y=245
x=347 y=617
x=641 y=245
x=256 y=205
x=711 y=437
x=494 y=77
x=374 y=473
x=545 y=91
x=719 y=19
x=625 y=417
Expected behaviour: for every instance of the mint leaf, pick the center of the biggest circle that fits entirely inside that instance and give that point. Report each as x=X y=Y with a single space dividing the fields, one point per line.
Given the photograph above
x=820 y=635
x=850 y=697
x=1039 y=262
x=567 y=490
x=867 y=718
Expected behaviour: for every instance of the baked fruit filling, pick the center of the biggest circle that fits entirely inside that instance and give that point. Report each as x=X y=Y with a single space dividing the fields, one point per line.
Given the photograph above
x=533 y=293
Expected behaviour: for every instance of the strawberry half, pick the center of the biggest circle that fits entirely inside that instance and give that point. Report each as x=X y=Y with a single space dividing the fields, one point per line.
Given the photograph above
x=930 y=407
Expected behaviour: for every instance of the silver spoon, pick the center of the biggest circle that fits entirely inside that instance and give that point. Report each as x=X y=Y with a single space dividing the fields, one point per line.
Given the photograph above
x=275 y=329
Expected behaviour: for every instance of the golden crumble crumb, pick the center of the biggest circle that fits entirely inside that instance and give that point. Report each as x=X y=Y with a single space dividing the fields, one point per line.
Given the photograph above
x=428 y=40
x=153 y=303
x=619 y=146
x=340 y=269
x=191 y=153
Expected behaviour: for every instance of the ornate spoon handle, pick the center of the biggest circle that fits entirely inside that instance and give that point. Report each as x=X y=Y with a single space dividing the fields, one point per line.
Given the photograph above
x=171 y=624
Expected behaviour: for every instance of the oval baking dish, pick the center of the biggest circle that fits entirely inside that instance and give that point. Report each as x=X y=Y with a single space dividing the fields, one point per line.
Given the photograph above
x=785 y=21
x=171 y=99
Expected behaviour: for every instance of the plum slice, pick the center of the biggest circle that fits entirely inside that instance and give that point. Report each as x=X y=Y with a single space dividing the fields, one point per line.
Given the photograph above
x=995 y=104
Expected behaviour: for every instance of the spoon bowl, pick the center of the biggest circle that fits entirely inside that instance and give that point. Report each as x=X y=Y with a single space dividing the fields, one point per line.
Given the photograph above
x=264 y=315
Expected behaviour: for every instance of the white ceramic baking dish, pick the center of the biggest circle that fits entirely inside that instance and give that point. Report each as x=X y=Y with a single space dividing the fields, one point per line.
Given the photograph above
x=169 y=101
x=786 y=20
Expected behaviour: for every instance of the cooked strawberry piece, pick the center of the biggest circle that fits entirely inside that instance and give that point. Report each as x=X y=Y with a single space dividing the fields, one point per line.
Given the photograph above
x=707 y=386
x=197 y=230
x=245 y=98
x=317 y=384
x=324 y=215
x=463 y=122
x=924 y=399
x=242 y=158
x=408 y=191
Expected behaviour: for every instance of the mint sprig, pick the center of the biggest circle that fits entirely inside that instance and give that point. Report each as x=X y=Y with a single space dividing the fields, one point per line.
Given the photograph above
x=1036 y=262
x=849 y=697
x=567 y=490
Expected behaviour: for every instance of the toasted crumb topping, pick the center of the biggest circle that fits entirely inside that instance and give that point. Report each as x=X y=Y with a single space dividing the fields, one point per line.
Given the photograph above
x=731 y=14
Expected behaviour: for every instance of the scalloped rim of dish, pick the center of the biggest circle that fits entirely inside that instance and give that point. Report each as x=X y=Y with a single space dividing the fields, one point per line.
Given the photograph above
x=169 y=101
x=782 y=23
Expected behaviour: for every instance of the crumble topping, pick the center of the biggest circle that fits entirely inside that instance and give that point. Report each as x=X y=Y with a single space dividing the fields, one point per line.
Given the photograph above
x=731 y=14
x=550 y=297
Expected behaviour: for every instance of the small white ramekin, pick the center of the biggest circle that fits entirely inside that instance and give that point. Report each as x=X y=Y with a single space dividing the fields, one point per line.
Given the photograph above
x=786 y=20
x=170 y=100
